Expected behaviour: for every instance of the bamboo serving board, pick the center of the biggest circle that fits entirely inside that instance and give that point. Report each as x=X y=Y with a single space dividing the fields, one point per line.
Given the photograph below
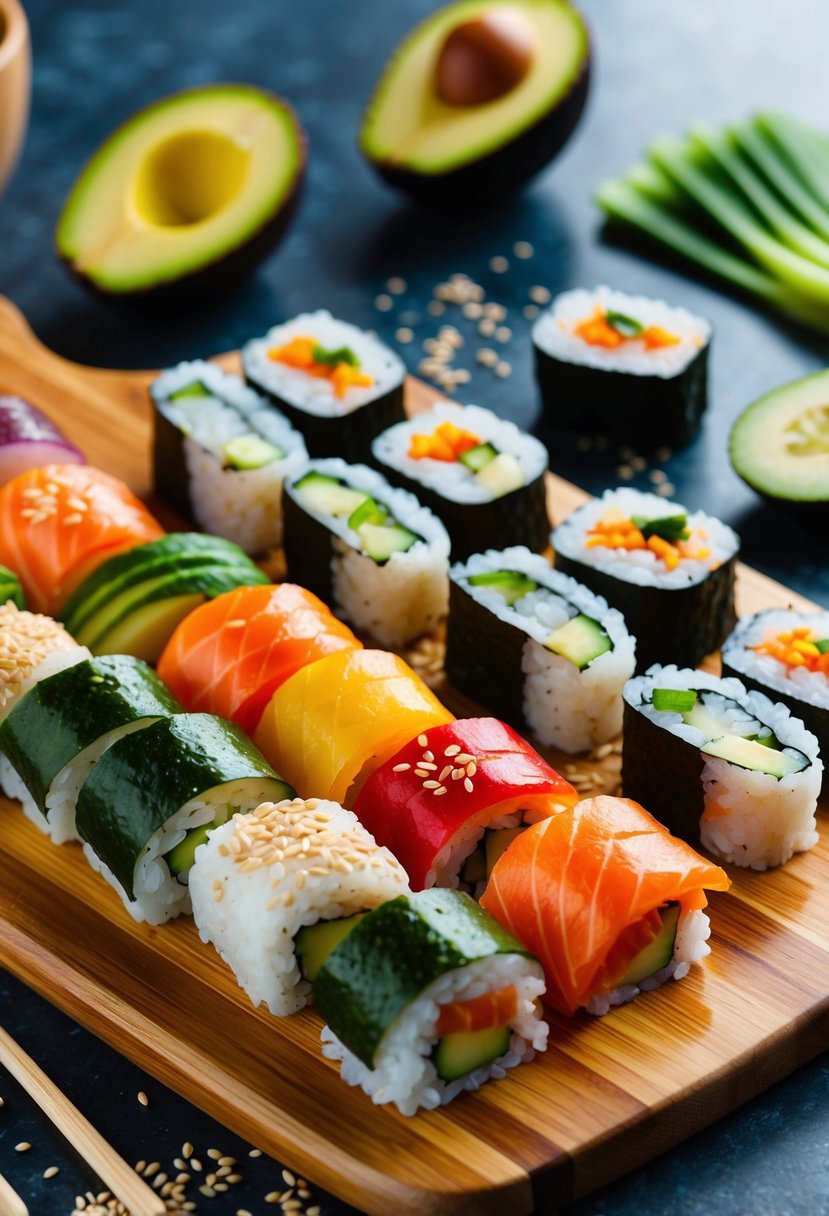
x=609 y=1094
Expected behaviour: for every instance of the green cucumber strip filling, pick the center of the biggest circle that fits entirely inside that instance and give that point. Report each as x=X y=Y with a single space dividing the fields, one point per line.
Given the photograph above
x=332 y=356
x=456 y=1055
x=512 y=585
x=658 y=953
x=479 y=457
x=314 y=943
x=196 y=389
x=672 y=528
x=627 y=326
x=673 y=700
x=250 y=451
x=823 y=645
x=181 y=858
x=368 y=512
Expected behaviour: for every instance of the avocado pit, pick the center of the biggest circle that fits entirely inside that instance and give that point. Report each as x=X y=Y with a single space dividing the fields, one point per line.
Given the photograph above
x=189 y=178
x=484 y=59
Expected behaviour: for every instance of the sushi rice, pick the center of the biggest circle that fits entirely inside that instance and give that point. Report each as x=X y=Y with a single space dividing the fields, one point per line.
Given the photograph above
x=811 y=687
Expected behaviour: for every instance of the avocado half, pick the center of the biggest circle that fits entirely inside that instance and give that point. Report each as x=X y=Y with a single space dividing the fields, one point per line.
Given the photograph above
x=191 y=192
x=447 y=153
x=780 y=445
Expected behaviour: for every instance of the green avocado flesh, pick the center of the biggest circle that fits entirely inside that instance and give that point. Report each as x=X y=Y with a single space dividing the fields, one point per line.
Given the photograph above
x=250 y=452
x=658 y=953
x=508 y=583
x=180 y=186
x=196 y=389
x=181 y=858
x=314 y=943
x=780 y=444
x=379 y=533
x=754 y=755
x=458 y=1054
x=581 y=641
x=501 y=475
x=408 y=126
x=481 y=861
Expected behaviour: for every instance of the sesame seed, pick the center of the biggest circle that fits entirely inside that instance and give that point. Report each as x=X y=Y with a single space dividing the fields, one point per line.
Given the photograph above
x=666 y=490
x=401 y=768
x=71 y=520
x=187 y=1150
x=207 y=1191
x=663 y=454
x=272 y=1197
x=422 y=740
x=503 y=370
x=289 y=1178
x=523 y=250
x=152 y=1168
x=431 y=785
x=487 y=327
x=51 y=1172
x=503 y=333
x=195 y=1164
x=396 y=285
x=467 y=785
x=444 y=772
x=142 y=1098
x=487 y=357
x=657 y=476
x=227 y=1161
x=22 y=1147
x=498 y=265
x=530 y=311
x=436 y=307
x=440 y=790
x=639 y=464
x=404 y=334
x=255 y=1152
x=540 y=295
x=384 y=303
x=625 y=472
x=471 y=768
x=473 y=310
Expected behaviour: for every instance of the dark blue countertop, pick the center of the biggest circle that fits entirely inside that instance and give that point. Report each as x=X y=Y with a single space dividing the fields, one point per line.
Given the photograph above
x=655 y=69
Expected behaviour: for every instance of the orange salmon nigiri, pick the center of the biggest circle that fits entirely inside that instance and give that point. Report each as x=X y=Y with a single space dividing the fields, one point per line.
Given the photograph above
x=58 y=523
x=606 y=899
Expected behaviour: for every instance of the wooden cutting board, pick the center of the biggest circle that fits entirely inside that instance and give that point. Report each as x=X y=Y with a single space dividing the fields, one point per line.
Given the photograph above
x=609 y=1094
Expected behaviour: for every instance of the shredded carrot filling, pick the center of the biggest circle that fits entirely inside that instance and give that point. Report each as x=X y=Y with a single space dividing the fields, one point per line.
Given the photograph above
x=615 y=531
x=299 y=353
x=796 y=648
x=599 y=331
x=495 y=1008
x=446 y=442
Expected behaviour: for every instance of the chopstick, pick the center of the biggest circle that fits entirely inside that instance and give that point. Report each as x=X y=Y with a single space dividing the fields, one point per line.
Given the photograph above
x=10 y=1202
x=122 y=1180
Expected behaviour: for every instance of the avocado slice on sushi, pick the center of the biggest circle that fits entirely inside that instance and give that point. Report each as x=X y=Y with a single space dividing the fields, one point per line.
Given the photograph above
x=478 y=98
x=456 y=1055
x=191 y=192
x=658 y=953
x=314 y=943
x=511 y=584
x=779 y=445
x=754 y=755
x=328 y=496
x=181 y=858
x=581 y=641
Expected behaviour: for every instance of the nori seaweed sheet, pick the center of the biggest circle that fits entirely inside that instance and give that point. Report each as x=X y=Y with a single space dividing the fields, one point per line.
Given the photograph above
x=346 y=435
x=483 y=655
x=814 y=717
x=308 y=547
x=171 y=478
x=643 y=412
x=517 y=518
x=663 y=773
x=671 y=625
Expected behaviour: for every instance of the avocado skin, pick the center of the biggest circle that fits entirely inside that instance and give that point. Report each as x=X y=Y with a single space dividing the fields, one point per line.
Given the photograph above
x=502 y=171
x=224 y=271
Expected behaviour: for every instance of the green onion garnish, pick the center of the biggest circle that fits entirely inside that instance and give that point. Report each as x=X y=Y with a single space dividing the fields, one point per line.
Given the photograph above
x=628 y=327
x=673 y=700
x=342 y=354
x=669 y=527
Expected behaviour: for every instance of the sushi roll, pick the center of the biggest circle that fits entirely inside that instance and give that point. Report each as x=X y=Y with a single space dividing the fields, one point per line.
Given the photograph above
x=480 y=474
x=785 y=654
x=229 y=656
x=156 y=794
x=32 y=647
x=532 y=644
x=449 y=802
x=669 y=572
x=58 y=523
x=609 y=902
x=334 y=722
x=452 y=1005
x=373 y=553
x=302 y=873
x=81 y=711
x=625 y=366
x=338 y=385
x=221 y=453
x=720 y=765
x=29 y=439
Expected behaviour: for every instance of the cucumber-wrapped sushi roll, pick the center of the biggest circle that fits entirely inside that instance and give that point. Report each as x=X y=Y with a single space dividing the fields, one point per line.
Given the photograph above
x=625 y=366
x=669 y=572
x=373 y=553
x=339 y=385
x=479 y=473
x=609 y=902
x=426 y=997
x=721 y=765
x=532 y=644
x=276 y=889
x=221 y=453
x=154 y=796
x=785 y=654
x=58 y=730
x=449 y=802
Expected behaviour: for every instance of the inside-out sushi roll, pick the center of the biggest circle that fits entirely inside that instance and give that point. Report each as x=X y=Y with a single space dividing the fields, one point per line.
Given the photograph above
x=154 y=796
x=452 y=1003
x=339 y=385
x=372 y=552
x=449 y=802
x=670 y=572
x=221 y=453
x=785 y=653
x=534 y=645
x=479 y=473
x=626 y=366
x=609 y=902
x=58 y=730
x=721 y=765
x=276 y=889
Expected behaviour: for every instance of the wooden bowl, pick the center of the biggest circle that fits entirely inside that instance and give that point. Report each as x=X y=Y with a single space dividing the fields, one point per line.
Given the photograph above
x=15 y=84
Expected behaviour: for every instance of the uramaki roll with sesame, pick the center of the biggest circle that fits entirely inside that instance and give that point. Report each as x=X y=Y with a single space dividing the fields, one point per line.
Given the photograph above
x=449 y=802
x=276 y=889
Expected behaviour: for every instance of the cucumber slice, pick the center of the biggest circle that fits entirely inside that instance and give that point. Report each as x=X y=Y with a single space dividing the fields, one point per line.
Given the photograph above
x=340 y=354
x=755 y=756
x=674 y=700
x=395 y=952
x=496 y=843
x=511 y=584
x=478 y=457
x=369 y=512
x=181 y=858
x=672 y=528
x=250 y=452
x=196 y=389
x=502 y=475
x=627 y=326
x=380 y=541
x=147 y=630
x=324 y=495
x=581 y=640
x=314 y=943
x=459 y=1054
x=658 y=953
